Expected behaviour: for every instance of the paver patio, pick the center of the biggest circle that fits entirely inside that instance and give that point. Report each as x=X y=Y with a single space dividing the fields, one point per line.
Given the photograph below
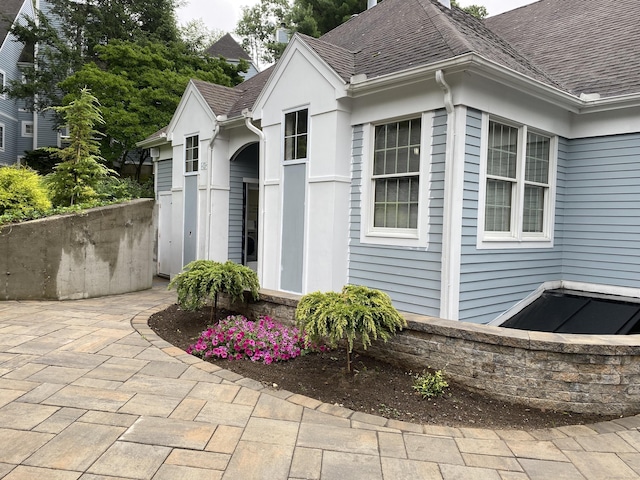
x=88 y=391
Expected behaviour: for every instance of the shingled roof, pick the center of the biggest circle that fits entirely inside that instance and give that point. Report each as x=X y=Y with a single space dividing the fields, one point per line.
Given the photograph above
x=591 y=46
x=8 y=9
x=218 y=97
x=396 y=35
x=228 y=48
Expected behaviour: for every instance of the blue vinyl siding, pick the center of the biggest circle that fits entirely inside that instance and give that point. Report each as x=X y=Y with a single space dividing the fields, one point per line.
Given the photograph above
x=244 y=166
x=602 y=211
x=410 y=276
x=165 y=172
x=491 y=281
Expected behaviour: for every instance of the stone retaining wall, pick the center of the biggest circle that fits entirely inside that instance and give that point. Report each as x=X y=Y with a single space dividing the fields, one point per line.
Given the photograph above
x=102 y=251
x=576 y=373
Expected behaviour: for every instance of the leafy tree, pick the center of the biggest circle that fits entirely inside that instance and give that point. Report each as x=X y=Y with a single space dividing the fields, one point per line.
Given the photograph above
x=77 y=175
x=355 y=313
x=317 y=17
x=139 y=86
x=198 y=37
x=68 y=33
x=478 y=11
x=257 y=29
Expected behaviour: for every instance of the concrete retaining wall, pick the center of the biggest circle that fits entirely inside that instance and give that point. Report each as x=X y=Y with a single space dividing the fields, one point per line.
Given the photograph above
x=102 y=251
x=576 y=373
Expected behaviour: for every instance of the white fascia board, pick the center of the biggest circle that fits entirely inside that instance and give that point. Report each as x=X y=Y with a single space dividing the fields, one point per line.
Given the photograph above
x=153 y=142
x=298 y=45
x=190 y=90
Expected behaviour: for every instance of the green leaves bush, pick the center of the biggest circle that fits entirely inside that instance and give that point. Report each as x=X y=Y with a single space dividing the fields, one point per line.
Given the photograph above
x=22 y=192
x=356 y=313
x=202 y=280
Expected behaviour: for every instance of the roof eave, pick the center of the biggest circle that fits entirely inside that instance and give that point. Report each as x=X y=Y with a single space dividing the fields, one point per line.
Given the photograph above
x=469 y=62
x=153 y=142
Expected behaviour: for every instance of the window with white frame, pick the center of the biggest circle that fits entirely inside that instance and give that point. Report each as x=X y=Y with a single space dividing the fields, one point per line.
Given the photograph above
x=296 y=130
x=191 y=154
x=27 y=129
x=396 y=175
x=518 y=184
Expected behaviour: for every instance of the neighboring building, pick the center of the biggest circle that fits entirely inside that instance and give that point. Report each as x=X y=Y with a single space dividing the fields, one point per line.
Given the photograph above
x=232 y=52
x=20 y=129
x=456 y=164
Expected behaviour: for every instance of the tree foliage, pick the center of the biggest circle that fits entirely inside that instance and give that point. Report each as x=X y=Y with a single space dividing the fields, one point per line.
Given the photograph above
x=257 y=29
x=75 y=178
x=68 y=33
x=355 y=313
x=197 y=36
x=139 y=86
x=478 y=11
x=317 y=17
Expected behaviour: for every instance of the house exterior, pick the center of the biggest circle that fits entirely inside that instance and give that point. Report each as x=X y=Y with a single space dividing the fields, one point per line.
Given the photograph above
x=20 y=129
x=456 y=164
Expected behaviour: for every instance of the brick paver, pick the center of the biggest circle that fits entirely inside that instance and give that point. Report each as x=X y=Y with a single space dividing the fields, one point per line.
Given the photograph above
x=88 y=391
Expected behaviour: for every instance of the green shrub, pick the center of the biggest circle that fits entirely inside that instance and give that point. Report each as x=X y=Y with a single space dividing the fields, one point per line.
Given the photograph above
x=356 y=312
x=22 y=192
x=113 y=188
x=202 y=280
x=430 y=384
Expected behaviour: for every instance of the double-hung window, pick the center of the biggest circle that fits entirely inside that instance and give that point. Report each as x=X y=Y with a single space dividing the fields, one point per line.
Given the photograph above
x=191 y=154
x=396 y=175
x=518 y=185
x=296 y=130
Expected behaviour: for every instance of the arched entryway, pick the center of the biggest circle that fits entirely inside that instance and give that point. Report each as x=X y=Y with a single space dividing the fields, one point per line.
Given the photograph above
x=244 y=205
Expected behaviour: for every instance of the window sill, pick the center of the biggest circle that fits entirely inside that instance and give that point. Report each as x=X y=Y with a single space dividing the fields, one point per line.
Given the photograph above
x=501 y=243
x=394 y=239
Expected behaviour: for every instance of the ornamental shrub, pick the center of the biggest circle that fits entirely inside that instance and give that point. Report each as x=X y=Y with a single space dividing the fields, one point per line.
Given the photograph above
x=22 y=192
x=202 y=280
x=356 y=313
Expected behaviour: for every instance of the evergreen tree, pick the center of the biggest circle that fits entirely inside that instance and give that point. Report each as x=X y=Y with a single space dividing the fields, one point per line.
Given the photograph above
x=76 y=177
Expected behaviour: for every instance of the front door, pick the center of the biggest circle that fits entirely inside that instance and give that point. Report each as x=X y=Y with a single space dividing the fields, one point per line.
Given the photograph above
x=190 y=238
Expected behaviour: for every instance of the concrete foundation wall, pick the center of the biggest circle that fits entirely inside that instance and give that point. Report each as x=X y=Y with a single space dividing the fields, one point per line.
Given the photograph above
x=575 y=373
x=102 y=251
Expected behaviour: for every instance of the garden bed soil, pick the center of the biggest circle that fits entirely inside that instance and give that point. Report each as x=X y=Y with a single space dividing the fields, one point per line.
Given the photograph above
x=376 y=387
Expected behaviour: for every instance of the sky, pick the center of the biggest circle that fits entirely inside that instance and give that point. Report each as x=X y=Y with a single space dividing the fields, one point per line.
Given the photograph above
x=224 y=14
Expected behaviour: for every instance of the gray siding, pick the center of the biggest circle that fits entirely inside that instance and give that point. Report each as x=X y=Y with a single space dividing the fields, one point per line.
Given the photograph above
x=410 y=276
x=244 y=166
x=491 y=281
x=165 y=172
x=602 y=211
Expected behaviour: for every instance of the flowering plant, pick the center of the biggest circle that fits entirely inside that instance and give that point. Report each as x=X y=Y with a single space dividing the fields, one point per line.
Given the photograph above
x=266 y=340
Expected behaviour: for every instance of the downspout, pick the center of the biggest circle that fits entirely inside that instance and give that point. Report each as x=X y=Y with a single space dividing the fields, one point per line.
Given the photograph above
x=261 y=162
x=450 y=252
x=216 y=130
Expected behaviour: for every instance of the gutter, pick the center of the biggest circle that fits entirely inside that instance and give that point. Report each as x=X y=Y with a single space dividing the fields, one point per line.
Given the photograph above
x=451 y=234
x=247 y=114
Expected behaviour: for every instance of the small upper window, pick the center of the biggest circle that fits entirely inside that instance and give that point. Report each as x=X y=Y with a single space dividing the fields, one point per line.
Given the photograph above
x=396 y=175
x=295 y=135
x=27 y=129
x=191 y=154
x=518 y=184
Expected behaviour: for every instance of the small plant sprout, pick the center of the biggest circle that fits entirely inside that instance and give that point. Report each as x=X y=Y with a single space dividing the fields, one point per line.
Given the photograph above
x=430 y=384
x=355 y=313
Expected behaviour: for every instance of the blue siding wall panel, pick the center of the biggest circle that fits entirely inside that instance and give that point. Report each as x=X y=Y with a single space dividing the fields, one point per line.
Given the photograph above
x=601 y=226
x=491 y=281
x=410 y=276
